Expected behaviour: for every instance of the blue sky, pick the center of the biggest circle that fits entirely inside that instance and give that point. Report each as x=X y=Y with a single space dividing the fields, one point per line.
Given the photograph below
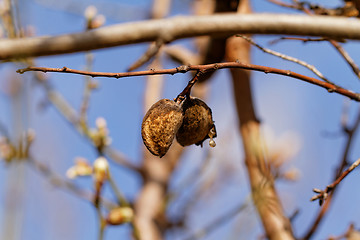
x=283 y=104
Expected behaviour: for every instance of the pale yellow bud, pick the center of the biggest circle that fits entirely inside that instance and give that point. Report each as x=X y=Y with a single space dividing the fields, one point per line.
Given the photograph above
x=120 y=215
x=71 y=172
x=30 y=135
x=292 y=174
x=101 y=169
x=7 y=151
x=100 y=123
x=81 y=168
x=90 y=12
x=97 y=22
x=93 y=85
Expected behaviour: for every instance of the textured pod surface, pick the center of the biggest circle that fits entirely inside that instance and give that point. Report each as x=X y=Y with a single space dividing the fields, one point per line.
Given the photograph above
x=160 y=125
x=197 y=125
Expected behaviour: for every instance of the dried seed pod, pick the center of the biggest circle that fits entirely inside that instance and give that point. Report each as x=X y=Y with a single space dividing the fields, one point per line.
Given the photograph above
x=197 y=125
x=160 y=125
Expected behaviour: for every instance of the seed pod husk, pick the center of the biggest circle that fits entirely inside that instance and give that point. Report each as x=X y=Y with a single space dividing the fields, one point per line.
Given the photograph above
x=197 y=125
x=160 y=125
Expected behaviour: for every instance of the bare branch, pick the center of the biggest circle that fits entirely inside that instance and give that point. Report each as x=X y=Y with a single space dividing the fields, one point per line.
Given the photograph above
x=181 y=27
x=335 y=44
x=350 y=132
x=322 y=194
x=69 y=113
x=119 y=158
x=217 y=222
x=65 y=184
x=150 y=204
x=347 y=57
x=209 y=67
x=182 y=55
x=295 y=5
x=150 y=52
x=289 y=58
x=303 y=39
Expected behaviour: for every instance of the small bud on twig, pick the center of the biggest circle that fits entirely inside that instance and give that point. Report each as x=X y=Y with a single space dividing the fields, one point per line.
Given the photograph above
x=101 y=169
x=81 y=168
x=120 y=215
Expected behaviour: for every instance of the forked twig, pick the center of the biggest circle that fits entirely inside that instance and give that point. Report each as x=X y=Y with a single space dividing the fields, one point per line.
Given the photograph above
x=322 y=194
x=65 y=184
x=347 y=57
x=199 y=234
x=350 y=132
x=305 y=39
x=289 y=58
x=150 y=52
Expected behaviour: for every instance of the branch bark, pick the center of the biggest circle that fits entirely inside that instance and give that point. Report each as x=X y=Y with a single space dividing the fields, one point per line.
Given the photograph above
x=181 y=27
x=205 y=68
x=264 y=195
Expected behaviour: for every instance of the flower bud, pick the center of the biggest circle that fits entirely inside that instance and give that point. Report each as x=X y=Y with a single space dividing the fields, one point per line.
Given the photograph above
x=81 y=168
x=90 y=12
x=120 y=215
x=101 y=169
x=292 y=174
x=160 y=125
x=7 y=150
x=197 y=125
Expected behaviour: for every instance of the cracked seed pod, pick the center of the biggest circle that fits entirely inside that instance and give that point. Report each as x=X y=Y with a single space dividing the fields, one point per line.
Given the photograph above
x=160 y=125
x=197 y=125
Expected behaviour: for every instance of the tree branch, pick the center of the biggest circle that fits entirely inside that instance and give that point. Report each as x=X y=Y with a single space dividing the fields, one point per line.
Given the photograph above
x=350 y=131
x=322 y=194
x=181 y=27
x=65 y=184
x=265 y=198
x=288 y=58
x=69 y=113
x=209 y=67
x=347 y=57
x=219 y=221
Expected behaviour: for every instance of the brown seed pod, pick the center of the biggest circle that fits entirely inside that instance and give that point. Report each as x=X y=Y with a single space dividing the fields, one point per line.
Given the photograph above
x=160 y=125
x=197 y=125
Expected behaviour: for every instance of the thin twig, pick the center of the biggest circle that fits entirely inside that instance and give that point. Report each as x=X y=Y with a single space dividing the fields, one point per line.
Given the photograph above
x=350 y=131
x=289 y=58
x=102 y=222
x=65 y=184
x=194 y=183
x=187 y=90
x=209 y=67
x=119 y=158
x=296 y=6
x=120 y=197
x=347 y=57
x=191 y=178
x=322 y=194
x=86 y=93
x=304 y=40
x=150 y=52
x=181 y=55
x=229 y=215
x=67 y=111
x=337 y=46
